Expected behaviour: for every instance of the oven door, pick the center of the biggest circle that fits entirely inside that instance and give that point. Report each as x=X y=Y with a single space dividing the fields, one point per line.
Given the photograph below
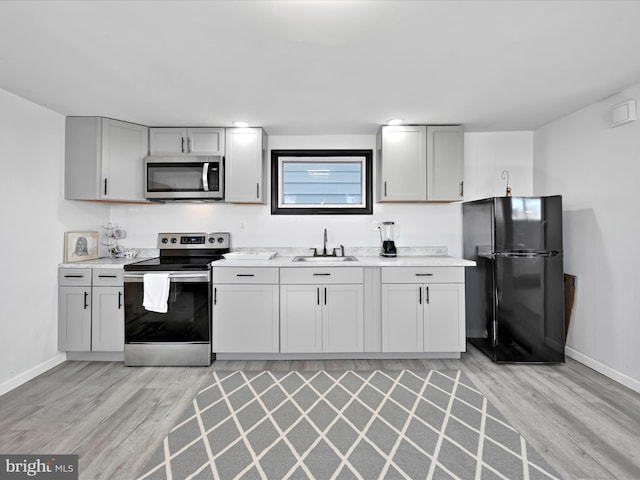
x=175 y=178
x=182 y=336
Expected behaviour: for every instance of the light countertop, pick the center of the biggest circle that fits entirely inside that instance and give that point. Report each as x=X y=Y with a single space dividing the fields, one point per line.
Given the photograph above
x=105 y=262
x=363 y=261
x=414 y=257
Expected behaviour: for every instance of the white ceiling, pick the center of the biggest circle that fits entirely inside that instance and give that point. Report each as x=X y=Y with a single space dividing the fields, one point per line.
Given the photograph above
x=320 y=67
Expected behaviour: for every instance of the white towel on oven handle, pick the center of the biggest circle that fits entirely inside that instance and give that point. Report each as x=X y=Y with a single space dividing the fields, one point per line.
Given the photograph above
x=156 y=291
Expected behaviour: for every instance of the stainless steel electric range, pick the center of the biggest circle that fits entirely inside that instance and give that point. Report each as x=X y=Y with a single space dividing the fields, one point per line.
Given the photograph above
x=182 y=335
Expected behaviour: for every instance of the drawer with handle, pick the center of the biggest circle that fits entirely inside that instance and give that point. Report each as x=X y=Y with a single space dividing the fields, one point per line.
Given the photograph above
x=422 y=274
x=315 y=275
x=259 y=275
x=108 y=277
x=72 y=277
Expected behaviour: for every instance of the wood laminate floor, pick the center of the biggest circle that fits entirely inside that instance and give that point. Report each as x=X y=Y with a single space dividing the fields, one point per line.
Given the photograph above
x=586 y=425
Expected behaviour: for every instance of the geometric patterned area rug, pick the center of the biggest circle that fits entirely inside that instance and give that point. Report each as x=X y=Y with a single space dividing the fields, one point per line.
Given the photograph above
x=344 y=425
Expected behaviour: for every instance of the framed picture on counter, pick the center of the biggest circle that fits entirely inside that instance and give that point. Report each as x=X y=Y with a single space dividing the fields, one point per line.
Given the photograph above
x=79 y=246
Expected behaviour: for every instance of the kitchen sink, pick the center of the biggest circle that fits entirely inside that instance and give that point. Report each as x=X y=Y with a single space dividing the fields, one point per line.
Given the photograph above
x=323 y=259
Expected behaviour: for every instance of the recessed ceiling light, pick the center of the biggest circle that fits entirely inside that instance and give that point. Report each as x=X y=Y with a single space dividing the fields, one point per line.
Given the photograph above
x=394 y=121
x=241 y=124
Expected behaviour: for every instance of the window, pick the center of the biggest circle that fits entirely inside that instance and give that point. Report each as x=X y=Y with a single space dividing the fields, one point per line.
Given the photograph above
x=320 y=182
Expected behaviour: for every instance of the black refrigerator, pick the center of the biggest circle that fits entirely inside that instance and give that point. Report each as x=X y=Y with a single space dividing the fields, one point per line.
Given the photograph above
x=515 y=293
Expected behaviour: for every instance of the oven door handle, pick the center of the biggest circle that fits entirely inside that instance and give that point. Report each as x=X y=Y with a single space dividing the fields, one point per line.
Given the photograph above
x=205 y=176
x=202 y=277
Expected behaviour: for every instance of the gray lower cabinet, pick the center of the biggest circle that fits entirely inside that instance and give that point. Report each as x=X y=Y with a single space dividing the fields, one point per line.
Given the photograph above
x=308 y=310
x=245 y=311
x=74 y=319
x=321 y=317
x=419 y=316
x=301 y=319
x=107 y=319
x=90 y=310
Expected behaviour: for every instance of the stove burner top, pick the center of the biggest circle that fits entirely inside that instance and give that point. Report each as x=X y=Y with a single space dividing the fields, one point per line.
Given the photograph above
x=185 y=251
x=173 y=263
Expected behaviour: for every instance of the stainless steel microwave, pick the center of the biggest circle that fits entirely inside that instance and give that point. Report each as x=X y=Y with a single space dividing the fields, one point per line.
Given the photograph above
x=175 y=178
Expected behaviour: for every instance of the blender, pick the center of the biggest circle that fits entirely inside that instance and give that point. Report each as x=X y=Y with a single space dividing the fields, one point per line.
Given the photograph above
x=387 y=239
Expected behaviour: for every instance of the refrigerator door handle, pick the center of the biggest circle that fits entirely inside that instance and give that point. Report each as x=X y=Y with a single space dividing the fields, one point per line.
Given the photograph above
x=494 y=320
x=546 y=253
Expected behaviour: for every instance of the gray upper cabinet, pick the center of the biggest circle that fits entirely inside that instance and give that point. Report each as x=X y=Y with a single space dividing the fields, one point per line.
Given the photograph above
x=245 y=168
x=420 y=163
x=403 y=164
x=186 y=141
x=445 y=163
x=103 y=159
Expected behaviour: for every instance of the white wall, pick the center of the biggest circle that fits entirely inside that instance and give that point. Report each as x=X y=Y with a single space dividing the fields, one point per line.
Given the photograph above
x=34 y=219
x=34 y=210
x=254 y=226
x=594 y=166
x=597 y=168
x=487 y=154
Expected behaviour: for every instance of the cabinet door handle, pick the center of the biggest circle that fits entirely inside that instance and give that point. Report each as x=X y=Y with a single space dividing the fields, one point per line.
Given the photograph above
x=215 y=296
x=420 y=295
x=189 y=144
x=73 y=276
x=385 y=188
x=182 y=144
x=86 y=297
x=107 y=276
x=318 y=292
x=321 y=274
x=325 y=295
x=105 y=186
x=119 y=300
x=424 y=274
x=245 y=275
x=257 y=190
x=461 y=189
x=427 y=300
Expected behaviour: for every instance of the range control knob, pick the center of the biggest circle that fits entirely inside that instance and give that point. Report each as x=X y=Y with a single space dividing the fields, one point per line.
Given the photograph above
x=212 y=240
x=220 y=239
x=174 y=240
x=165 y=240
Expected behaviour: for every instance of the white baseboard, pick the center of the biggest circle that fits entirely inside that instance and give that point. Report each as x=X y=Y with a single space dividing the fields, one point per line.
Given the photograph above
x=33 y=372
x=619 y=377
x=96 y=356
x=338 y=356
